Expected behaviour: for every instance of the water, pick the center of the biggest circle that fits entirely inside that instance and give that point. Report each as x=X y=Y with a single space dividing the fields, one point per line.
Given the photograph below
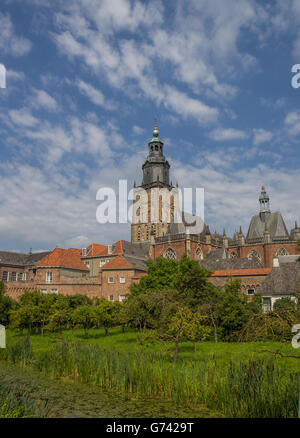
x=66 y=398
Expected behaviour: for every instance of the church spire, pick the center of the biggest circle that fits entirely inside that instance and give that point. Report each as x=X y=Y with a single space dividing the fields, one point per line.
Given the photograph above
x=156 y=167
x=264 y=201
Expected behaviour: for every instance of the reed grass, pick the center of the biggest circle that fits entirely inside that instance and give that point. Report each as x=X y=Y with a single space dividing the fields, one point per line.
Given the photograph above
x=253 y=388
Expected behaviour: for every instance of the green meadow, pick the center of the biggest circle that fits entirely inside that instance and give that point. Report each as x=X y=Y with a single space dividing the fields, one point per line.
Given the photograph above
x=217 y=380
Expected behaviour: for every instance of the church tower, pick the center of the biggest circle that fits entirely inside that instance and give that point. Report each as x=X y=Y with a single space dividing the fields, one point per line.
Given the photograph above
x=155 y=200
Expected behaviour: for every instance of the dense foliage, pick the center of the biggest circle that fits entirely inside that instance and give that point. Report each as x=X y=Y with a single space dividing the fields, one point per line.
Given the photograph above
x=174 y=303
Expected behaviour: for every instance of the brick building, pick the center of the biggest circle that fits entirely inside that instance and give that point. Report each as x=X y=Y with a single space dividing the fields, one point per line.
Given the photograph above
x=159 y=229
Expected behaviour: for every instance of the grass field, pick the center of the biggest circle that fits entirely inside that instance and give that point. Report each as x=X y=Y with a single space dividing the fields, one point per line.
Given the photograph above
x=222 y=352
x=229 y=379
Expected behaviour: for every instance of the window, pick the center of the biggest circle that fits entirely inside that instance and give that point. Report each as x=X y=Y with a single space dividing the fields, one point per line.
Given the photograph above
x=44 y=291
x=233 y=255
x=281 y=252
x=20 y=276
x=54 y=291
x=122 y=298
x=5 y=276
x=170 y=254
x=199 y=253
x=48 y=277
x=253 y=255
x=102 y=262
x=122 y=279
x=250 y=291
x=110 y=279
x=25 y=276
x=13 y=276
x=87 y=264
x=111 y=297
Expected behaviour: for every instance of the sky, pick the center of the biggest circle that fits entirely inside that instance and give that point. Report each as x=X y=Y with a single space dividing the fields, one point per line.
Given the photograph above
x=85 y=80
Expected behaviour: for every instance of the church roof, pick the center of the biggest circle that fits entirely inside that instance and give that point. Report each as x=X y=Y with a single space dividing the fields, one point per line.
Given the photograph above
x=274 y=224
x=216 y=260
x=189 y=224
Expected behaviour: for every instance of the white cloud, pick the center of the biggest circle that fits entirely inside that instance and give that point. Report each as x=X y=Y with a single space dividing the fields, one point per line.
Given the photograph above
x=95 y=96
x=225 y=134
x=9 y=42
x=44 y=100
x=187 y=106
x=292 y=122
x=261 y=136
x=137 y=130
x=23 y=117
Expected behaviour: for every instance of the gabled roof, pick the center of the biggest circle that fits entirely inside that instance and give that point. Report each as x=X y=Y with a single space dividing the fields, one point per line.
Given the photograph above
x=63 y=258
x=272 y=221
x=282 y=280
x=126 y=262
x=118 y=263
x=139 y=250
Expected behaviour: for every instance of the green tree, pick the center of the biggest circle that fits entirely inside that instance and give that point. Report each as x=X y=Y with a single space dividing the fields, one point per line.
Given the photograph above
x=283 y=304
x=78 y=300
x=85 y=317
x=187 y=325
x=161 y=274
x=234 y=312
x=6 y=305
x=107 y=313
x=59 y=320
x=23 y=317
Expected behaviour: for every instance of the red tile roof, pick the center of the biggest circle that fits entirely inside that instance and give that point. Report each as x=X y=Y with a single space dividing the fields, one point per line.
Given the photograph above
x=97 y=250
x=140 y=274
x=118 y=263
x=241 y=272
x=66 y=258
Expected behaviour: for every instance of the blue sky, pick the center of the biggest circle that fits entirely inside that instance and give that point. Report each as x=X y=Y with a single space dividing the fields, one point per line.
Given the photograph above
x=85 y=79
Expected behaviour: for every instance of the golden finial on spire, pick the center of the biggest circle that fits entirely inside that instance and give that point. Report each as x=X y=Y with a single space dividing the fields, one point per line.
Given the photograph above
x=155 y=131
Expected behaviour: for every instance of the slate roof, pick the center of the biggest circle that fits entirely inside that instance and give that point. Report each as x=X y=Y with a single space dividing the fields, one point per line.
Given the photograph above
x=120 y=247
x=217 y=260
x=190 y=223
x=275 y=226
x=15 y=258
x=282 y=280
x=63 y=258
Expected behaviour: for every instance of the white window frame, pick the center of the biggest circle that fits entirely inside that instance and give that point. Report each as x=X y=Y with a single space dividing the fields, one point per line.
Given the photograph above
x=49 y=277
x=110 y=278
x=54 y=291
x=122 y=280
x=122 y=298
